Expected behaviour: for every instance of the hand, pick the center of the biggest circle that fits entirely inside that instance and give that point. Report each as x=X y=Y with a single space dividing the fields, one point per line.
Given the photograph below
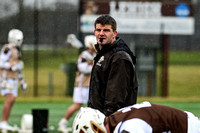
x=18 y=67
x=24 y=86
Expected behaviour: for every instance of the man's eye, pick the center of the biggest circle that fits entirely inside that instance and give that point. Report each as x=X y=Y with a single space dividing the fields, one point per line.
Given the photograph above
x=107 y=30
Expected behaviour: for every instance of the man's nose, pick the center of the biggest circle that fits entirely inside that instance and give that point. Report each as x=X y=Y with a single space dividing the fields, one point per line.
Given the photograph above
x=101 y=32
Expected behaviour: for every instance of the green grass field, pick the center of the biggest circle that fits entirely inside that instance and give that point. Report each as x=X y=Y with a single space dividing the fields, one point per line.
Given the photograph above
x=184 y=87
x=57 y=109
x=184 y=72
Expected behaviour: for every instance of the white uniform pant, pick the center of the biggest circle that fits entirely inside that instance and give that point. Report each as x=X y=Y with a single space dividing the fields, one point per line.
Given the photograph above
x=81 y=95
x=13 y=89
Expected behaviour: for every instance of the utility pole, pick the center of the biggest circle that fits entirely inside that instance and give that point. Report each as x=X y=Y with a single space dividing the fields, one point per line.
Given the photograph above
x=36 y=36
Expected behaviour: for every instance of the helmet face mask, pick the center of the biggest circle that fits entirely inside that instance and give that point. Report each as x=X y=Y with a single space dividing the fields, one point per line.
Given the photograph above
x=89 y=121
x=96 y=128
x=15 y=37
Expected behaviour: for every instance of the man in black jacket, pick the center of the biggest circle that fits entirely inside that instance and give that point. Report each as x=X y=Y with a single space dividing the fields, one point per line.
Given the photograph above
x=113 y=82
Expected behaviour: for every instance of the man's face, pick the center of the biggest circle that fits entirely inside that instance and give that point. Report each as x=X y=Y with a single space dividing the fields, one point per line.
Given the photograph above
x=104 y=34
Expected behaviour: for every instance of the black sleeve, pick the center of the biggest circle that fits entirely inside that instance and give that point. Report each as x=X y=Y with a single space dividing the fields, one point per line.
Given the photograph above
x=117 y=85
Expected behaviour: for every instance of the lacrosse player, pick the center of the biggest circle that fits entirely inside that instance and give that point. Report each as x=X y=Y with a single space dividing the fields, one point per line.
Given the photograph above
x=81 y=87
x=11 y=67
x=138 y=118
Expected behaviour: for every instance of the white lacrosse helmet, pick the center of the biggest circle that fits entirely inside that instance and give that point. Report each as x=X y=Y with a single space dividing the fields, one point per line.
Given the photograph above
x=15 y=37
x=89 y=120
x=90 y=41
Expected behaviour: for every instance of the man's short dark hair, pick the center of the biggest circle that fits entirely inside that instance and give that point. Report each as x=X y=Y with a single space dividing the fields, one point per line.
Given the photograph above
x=106 y=20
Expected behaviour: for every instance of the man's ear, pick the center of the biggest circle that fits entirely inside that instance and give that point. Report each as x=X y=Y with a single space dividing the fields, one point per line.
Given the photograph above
x=115 y=34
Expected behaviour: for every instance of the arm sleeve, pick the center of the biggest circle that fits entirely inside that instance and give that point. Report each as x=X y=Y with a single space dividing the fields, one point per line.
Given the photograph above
x=4 y=65
x=118 y=84
x=84 y=67
x=134 y=126
x=4 y=59
x=18 y=66
x=84 y=63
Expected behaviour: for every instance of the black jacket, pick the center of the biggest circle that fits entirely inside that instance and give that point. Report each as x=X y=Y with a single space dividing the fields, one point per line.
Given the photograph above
x=113 y=83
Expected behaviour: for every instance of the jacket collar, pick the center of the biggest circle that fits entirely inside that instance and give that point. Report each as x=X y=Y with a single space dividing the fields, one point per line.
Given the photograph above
x=107 y=47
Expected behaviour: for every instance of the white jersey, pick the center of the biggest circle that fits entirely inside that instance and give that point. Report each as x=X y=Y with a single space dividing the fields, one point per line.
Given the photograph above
x=84 y=68
x=10 y=62
x=10 y=66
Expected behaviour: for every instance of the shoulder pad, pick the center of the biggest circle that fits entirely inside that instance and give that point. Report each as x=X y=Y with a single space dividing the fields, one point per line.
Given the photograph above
x=6 y=50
